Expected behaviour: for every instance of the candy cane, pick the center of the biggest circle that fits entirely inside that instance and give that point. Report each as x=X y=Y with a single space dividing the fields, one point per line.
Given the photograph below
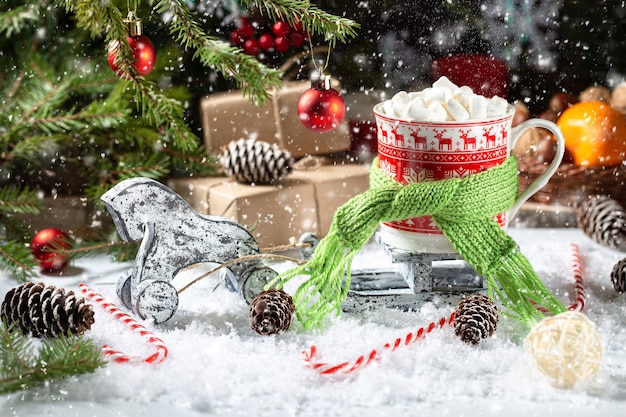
x=116 y=355
x=364 y=360
x=577 y=270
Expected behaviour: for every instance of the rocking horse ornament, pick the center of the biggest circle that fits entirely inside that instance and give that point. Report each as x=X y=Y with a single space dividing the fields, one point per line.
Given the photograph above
x=174 y=236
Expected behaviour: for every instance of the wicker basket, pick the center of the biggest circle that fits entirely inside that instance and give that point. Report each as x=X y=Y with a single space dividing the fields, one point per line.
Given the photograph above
x=572 y=183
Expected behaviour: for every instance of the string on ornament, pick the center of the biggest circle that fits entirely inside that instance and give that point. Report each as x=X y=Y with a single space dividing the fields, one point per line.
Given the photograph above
x=161 y=351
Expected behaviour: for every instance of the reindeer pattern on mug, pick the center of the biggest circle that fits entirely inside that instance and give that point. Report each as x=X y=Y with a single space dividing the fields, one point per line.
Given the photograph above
x=438 y=151
x=416 y=152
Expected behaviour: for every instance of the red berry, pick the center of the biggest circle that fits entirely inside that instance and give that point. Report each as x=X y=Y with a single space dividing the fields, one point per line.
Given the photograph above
x=246 y=29
x=236 y=37
x=297 y=39
x=282 y=44
x=281 y=28
x=298 y=25
x=266 y=41
x=251 y=47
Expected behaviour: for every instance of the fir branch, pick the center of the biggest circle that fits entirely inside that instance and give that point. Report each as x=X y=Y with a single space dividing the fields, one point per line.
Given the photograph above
x=19 y=200
x=31 y=147
x=314 y=20
x=118 y=249
x=76 y=121
x=13 y=90
x=156 y=166
x=90 y=16
x=161 y=110
x=16 y=257
x=12 y=22
x=251 y=76
x=22 y=367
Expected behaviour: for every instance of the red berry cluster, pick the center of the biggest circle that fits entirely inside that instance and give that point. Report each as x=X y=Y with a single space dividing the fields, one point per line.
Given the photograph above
x=255 y=37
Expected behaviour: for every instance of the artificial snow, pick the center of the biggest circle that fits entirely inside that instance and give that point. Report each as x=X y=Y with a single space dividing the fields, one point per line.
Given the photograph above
x=219 y=366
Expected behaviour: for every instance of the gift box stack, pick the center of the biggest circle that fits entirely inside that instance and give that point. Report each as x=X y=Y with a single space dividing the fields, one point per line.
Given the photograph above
x=303 y=202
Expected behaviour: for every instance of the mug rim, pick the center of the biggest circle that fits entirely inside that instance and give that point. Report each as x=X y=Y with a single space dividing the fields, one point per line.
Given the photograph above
x=470 y=122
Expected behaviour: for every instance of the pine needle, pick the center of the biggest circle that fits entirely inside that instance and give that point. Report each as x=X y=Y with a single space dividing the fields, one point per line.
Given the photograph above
x=16 y=257
x=23 y=367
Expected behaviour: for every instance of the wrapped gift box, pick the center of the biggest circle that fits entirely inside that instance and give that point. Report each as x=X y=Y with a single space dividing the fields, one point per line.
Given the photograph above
x=334 y=185
x=305 y=202
x=231 y=116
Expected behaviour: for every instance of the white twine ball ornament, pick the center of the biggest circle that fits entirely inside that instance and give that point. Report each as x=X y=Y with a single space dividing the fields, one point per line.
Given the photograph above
x=566 y=347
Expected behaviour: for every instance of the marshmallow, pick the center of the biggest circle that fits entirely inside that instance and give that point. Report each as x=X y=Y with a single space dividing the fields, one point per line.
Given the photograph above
x=388 y=108
x=465 y=90
x=400 y=109
x=456 y=110
x=437 y=95
x=444 y=101
x=446 y=84
x=497 y=106
x=477 y=106
x=437 y=112
x=417 y=110
x=401 y=97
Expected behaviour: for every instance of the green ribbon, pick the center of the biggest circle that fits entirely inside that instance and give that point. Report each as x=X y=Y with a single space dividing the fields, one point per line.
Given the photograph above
x=462 y=208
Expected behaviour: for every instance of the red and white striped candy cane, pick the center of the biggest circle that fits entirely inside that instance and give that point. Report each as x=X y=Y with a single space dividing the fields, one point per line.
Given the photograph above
x=137 y=328
x=577 y=270
x=364 y=360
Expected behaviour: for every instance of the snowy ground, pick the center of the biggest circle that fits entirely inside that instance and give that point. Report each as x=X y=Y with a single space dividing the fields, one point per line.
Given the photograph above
x=218 y=366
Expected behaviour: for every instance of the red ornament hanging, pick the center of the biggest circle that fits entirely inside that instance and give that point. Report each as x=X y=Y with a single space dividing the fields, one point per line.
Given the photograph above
x=45 y=246
x=144 y=52
x=321 y=108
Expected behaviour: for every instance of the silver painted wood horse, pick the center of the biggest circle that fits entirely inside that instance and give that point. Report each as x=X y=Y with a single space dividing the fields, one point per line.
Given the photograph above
x=174 y=236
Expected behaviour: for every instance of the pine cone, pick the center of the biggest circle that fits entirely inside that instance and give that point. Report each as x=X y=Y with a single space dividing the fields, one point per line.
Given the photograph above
x=251 y=161
x=618 y=276
x=476 y=318
x=271 y=312
x=46 y=311
x=603 y=220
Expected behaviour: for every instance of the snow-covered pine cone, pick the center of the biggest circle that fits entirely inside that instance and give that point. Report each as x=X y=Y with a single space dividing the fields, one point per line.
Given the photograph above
x=253 y=161
x=46 y=311
x=604 y=220
x=618 y=276
x=476 y=318
x=271 y=312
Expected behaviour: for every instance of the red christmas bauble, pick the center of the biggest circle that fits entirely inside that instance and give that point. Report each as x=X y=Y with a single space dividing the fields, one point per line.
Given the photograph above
x=43 y=246
x=321 y=108
x=144 y=54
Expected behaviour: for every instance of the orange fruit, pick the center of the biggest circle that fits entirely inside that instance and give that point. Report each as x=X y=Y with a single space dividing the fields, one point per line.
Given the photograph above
x=595 y=133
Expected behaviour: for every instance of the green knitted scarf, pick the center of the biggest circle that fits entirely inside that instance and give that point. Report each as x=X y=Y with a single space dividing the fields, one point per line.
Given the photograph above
x=463 y=209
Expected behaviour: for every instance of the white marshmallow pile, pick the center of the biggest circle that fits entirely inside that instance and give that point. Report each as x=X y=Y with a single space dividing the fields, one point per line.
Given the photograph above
x=444 y=101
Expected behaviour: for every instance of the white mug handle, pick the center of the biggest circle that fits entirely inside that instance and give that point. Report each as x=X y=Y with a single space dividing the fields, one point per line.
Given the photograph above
x=543 y=179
